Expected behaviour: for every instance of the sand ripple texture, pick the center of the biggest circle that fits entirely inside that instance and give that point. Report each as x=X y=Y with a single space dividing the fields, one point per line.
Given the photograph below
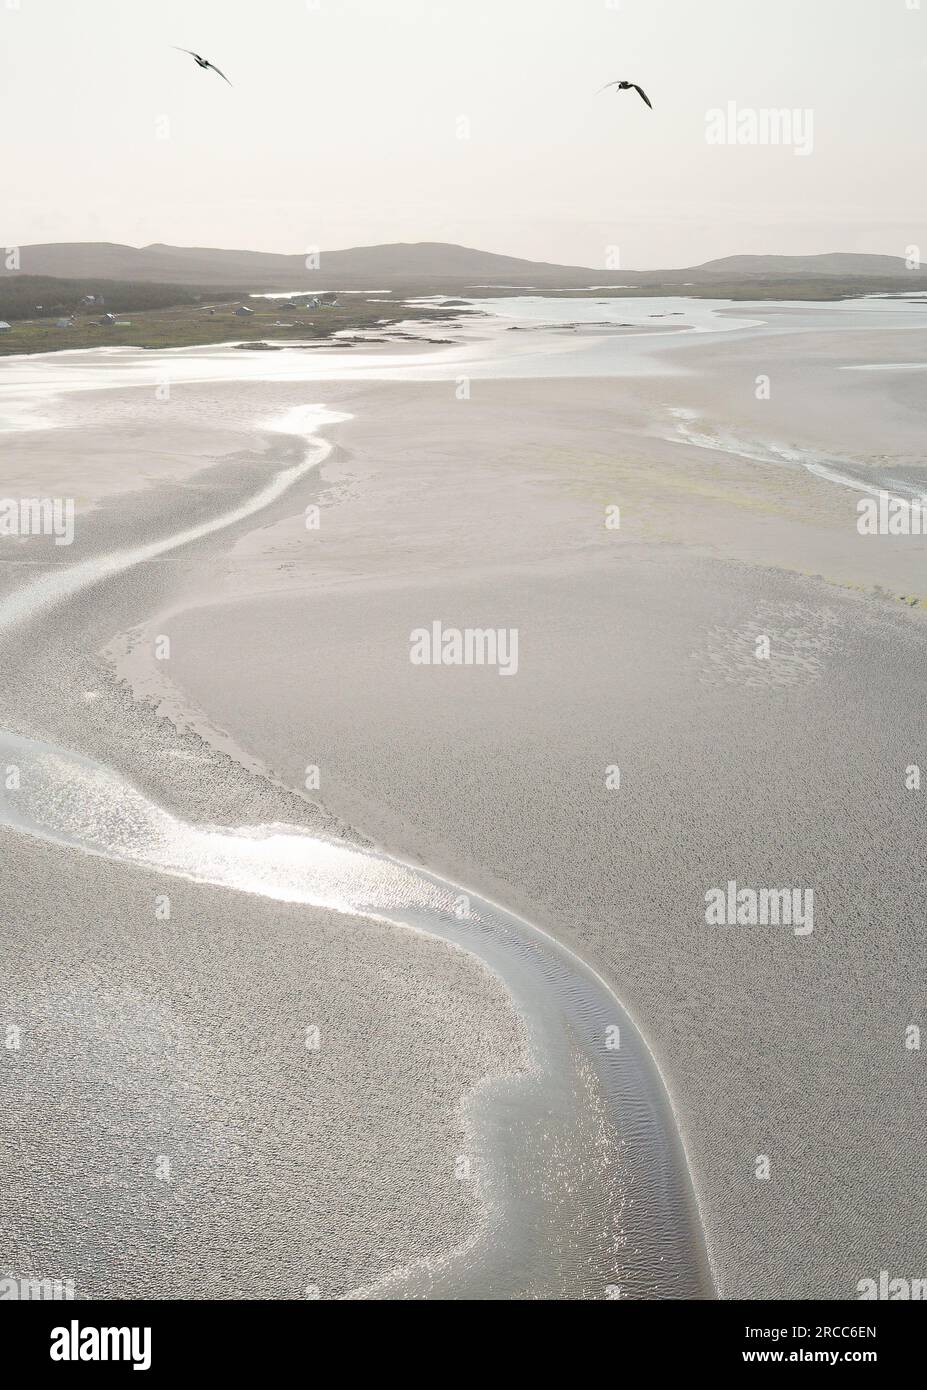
x=796 y=639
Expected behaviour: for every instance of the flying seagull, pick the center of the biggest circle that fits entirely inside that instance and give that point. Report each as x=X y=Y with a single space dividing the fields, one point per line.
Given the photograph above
x=627 y=87
x=202 y=62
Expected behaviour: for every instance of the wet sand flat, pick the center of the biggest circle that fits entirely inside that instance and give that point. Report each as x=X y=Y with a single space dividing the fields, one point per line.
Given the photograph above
x=637 y=649
x=222 y=1104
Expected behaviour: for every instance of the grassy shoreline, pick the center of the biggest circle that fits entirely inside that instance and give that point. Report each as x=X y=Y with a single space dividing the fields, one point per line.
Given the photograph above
x=192 y=325
x=203 y=320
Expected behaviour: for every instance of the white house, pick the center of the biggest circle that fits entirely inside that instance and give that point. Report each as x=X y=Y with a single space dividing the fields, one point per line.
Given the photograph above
x=4 y=326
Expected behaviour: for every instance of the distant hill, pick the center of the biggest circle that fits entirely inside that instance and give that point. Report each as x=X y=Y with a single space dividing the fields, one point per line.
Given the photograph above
x=830 y=263
x=360 y=267
x=435 y=266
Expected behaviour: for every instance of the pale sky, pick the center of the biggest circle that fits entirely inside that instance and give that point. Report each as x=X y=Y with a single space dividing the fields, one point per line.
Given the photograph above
x=342 y=127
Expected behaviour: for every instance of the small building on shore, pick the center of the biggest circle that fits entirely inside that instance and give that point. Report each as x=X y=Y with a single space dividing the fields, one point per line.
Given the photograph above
x=4 y=326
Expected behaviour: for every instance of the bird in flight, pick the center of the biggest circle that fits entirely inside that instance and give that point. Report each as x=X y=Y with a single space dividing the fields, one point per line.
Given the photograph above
x=201 y=62
x=627 y=87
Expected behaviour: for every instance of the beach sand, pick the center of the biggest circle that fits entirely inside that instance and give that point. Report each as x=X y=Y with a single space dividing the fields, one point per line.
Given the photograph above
x=173 y=1129
x=289 y=647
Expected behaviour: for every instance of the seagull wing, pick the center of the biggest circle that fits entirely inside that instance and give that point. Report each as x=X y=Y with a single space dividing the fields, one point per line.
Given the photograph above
x=222 y=74
x=184 y=50
x=640 y=91
x=610 y=84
